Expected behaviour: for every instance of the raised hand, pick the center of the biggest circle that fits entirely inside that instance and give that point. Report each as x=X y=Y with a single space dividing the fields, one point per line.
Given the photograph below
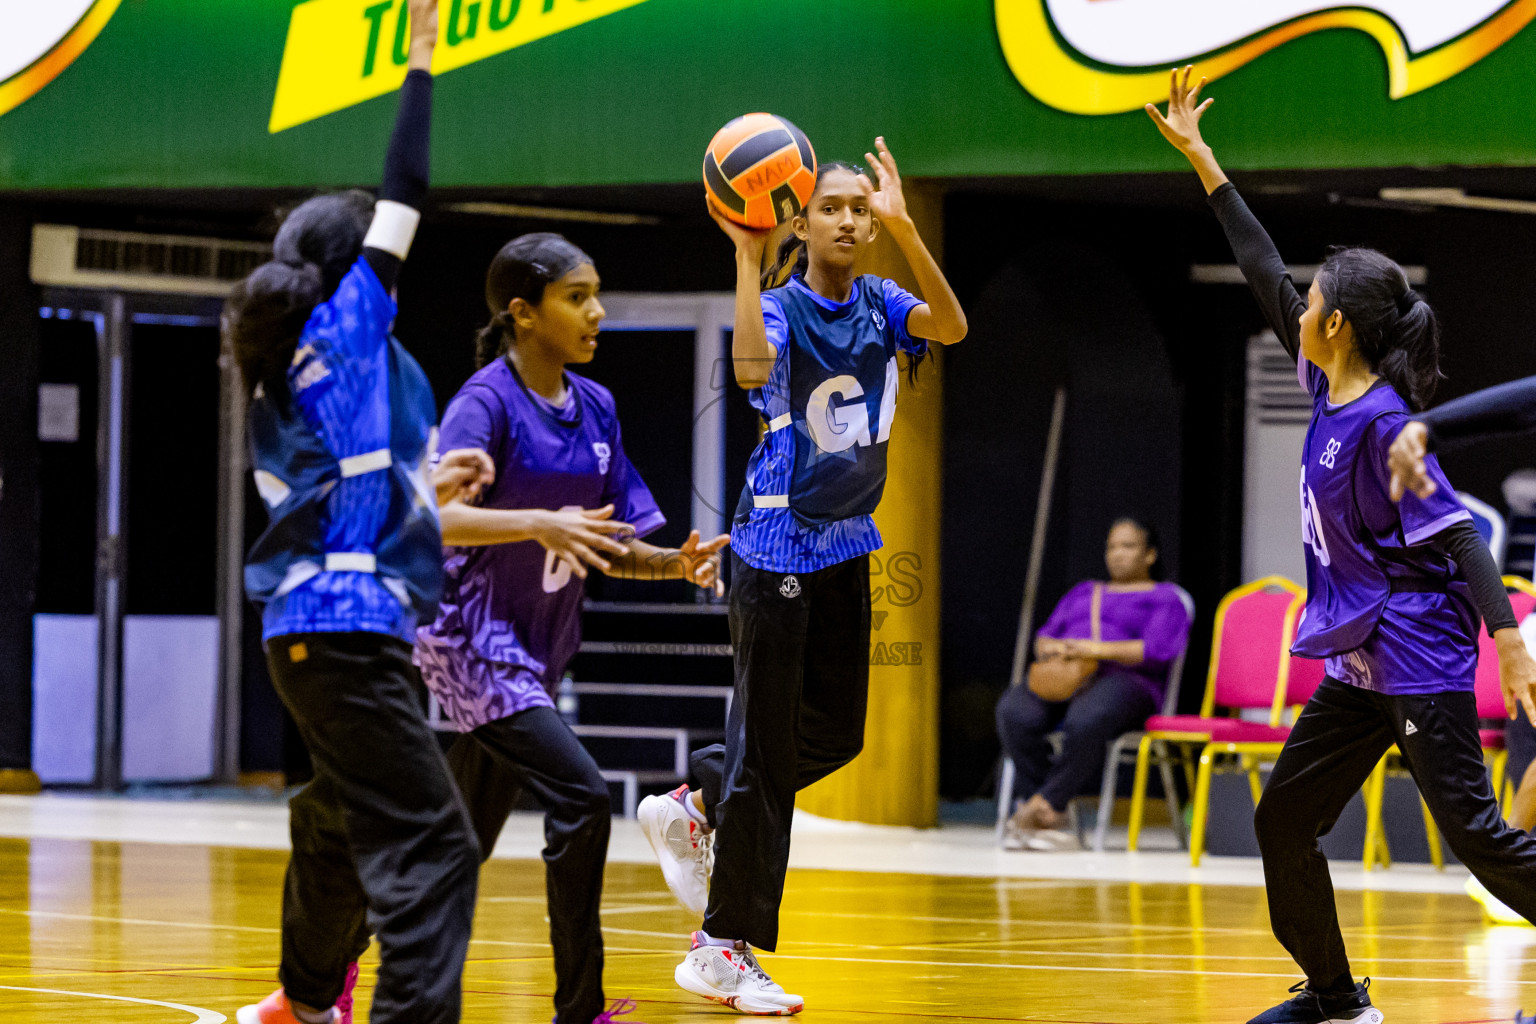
x=887 y=203
x=577 y=536
x=1406 y=461
x=1181 y=126
x=423 y=34
x=701 y=562
x=746 y=240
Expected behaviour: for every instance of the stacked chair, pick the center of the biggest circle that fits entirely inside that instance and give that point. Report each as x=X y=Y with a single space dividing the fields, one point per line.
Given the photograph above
x=1490 y=706
x=1251 y=669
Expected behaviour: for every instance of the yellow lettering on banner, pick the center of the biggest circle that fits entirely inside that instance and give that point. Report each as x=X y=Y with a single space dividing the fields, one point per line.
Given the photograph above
x=340 y=53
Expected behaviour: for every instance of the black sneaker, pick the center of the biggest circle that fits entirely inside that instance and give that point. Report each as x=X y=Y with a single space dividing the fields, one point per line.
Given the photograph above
x=1311 y=1007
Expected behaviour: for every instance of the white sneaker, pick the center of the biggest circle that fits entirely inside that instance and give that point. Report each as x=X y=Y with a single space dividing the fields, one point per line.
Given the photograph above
x=1493 y=908
x=684 y=849
x=730 y=975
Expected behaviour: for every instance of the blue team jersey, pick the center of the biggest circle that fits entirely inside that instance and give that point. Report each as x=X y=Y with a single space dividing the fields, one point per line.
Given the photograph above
x=510 y=617
x=1387 y=611
x=827 y=409
x=353 y=543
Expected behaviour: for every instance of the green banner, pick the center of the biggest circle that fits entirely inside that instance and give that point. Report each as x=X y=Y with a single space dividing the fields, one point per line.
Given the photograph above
x=270 y=93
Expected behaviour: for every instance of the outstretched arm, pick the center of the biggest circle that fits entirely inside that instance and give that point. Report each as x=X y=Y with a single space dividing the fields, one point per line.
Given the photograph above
x=397 y=212
x=1256 y=254
x=697 y=561
x=940 y=318
x=1493 y=412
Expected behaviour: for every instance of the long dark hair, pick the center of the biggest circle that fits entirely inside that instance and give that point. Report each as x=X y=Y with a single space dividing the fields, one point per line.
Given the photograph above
x=522 y=269
x=1151 y=541
x=794 y=255
x=1395 y=329
x=317 y=243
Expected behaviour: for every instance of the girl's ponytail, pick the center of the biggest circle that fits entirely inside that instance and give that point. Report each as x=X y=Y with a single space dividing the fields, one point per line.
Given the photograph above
x=492 y=339
x=263 y=318
x=1395 y=329
x=792 y=258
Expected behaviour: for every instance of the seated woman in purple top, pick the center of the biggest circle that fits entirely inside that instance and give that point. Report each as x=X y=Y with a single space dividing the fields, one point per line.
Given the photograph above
x=1143 y=627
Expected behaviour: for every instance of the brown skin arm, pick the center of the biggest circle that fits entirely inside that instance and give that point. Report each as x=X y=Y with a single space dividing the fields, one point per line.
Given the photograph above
x=1124 y=652
x=697 y=561
x=1181 y=127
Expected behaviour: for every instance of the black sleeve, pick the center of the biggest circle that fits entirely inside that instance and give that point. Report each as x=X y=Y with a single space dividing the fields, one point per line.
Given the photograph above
x=406 y=165
x=1261 y=264
x=1462 y=544
x=1504 y=409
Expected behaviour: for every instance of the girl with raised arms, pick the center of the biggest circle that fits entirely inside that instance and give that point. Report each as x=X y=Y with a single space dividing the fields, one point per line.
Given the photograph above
x=341 y=435
x=818 y=356
x=565 y=498
x=1394 y=593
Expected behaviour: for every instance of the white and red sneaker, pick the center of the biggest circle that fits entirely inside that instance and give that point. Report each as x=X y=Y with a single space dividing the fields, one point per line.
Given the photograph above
x=275 y=1009
x=683 y=847
x=730 y=975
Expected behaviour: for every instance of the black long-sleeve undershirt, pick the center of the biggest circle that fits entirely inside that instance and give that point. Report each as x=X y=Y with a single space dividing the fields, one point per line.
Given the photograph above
x=1463 y=545
x=1279 y=300
x=406 y=165
x=1282 y=305
x=1499 y=410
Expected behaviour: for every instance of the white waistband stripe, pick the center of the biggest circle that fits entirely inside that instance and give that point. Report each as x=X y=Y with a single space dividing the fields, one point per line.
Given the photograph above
x=350 y=561
x=770 y=500
x=779 y=422
x=368 y=462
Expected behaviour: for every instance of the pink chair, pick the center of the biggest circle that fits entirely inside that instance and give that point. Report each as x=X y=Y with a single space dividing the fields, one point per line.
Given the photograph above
x=1490 y=705
x=1249 y=659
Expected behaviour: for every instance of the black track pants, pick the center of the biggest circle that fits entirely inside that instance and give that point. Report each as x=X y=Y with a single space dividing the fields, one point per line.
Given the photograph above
x=381 y=840
x=535 y=750
x=802 y=686
x=1341 y=734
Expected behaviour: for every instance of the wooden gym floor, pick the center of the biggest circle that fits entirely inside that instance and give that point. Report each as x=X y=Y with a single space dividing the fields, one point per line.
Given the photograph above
x=143 y=932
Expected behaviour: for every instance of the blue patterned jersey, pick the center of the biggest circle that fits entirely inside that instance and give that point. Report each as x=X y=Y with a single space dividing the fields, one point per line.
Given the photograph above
x=827 y=407
x=353 y=543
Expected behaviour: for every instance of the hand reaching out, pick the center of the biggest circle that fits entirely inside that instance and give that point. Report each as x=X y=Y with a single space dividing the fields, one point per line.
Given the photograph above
x=577 y=536
x=887 y=203
x=1406 y=460
x=1181 y=126
x=461 y=474
x=701 y=562
x=423 y=34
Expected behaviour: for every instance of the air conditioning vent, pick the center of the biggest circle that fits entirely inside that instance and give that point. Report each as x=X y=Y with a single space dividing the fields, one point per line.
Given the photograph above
x=129 y=261
x=1274 y=396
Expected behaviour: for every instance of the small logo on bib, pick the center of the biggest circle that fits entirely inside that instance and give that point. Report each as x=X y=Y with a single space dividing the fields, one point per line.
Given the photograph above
x=790 y=587
x=604 y=455
x=879 y=319
x=1409 y=728
x=1330 y=453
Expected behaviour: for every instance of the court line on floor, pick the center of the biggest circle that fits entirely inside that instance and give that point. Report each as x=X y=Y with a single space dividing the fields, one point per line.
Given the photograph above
x=1059 y=967
x=204 y=925
x=201 y=1016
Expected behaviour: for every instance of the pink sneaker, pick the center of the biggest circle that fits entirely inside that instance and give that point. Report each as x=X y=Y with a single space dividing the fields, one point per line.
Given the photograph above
x=275 y=1009
x=619 y=1006
x=344 y=1003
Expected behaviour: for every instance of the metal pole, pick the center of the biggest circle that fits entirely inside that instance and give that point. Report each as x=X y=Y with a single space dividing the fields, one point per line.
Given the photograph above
x=231 y=565
x=112 y=346
x=1037 y=544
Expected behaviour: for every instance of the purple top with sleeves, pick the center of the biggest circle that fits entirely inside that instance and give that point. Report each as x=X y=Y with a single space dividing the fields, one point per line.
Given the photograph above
x=510 y=617
x=1155 y=615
